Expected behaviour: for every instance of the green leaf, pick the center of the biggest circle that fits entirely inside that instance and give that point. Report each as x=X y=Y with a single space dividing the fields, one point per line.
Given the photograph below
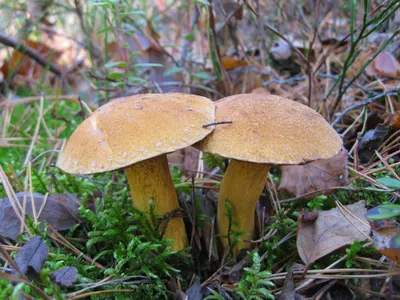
x=201 y=75
x=173 y=70
x=390 y=183
x=384 y=211
x=101 y=4
x=135 y=12
x=137 y=80
x=115 y=75
x=133 y=55
x=189 y=37
x=104 y=30
x=148 y=65
x=120 y=64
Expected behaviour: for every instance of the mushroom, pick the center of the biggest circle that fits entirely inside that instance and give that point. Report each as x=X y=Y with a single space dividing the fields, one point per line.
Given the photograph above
x=135 y=133
x=266 y=130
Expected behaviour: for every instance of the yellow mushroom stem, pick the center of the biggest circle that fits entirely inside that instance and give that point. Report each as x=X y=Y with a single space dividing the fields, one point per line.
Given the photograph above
x=151 y=179
x=242 y=185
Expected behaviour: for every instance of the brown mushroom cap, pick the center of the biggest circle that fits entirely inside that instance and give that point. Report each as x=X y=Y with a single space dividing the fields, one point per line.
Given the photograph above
x=270 y=129
x=131 y=129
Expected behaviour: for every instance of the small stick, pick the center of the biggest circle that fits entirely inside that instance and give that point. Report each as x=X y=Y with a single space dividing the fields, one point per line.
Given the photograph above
x=217 y=123
x=32 y=53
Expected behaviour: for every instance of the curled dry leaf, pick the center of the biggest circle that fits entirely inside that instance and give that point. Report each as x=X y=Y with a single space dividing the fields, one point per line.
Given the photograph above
x=387 y=242
x=60 y=211
x=318 y=175
x=32 y=255
x=309 y=216
x=65 y=276
x=330 y=232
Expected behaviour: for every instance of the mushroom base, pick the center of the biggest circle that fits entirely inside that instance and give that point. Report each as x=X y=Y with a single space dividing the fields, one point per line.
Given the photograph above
x=242 y=185
x=150 y=180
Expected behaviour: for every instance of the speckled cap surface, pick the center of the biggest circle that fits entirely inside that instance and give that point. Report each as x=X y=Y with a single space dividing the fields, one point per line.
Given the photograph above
x=131 y=129
x=270 y=129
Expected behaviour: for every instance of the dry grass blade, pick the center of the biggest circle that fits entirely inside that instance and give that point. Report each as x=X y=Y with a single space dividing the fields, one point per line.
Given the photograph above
x=59 y=238
x=36 y=132
x=343 y=209
x=13 y=278
x=11 y=261
x=19 y=211
x=102 y=292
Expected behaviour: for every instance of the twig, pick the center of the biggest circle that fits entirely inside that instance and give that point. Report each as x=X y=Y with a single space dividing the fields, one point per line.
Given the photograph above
x=13 y=278
x=32 y=53
x=391 y=92
x=290 y=80
x=140 y=280
x=217 y=123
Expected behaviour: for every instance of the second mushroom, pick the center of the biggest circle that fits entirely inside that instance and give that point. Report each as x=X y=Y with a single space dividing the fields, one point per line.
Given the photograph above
x=266 y=130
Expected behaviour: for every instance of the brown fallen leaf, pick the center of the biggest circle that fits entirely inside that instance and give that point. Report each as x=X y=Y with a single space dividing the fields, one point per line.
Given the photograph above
x=61 y=211
x=309 y=216
x=289 y=288
x=231 y=62
x=371 y=141
x=194 y=292
x=387 y=242
x=22 y=65
x=65 y=276
x=330 y=232
x=318 y=175
x=32 y=255
x=381 y=224
x=384 y=65
x=191 y=160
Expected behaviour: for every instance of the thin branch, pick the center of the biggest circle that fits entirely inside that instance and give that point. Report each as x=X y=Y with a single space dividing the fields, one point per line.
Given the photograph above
x=391 y=92
x=32 y=53
x=217 y=123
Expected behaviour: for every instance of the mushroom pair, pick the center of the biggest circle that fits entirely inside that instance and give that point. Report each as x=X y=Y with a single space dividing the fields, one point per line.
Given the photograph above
x=135 y=133
x=266 y=130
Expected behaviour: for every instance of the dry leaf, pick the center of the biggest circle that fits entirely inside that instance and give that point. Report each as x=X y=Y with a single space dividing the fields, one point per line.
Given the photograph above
x=61 y=211
x=191 y=160
x=330 y=232
x=32 y=255
x=318 y=175
x=65 y=276
x=223 y=8
x=384 y=65
x=381 y=224
x=387 y=242
x=307 y=216
x=194 y=292
x=23 y=65
x=230 y=62
x=289 y=288
x=371 y=141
